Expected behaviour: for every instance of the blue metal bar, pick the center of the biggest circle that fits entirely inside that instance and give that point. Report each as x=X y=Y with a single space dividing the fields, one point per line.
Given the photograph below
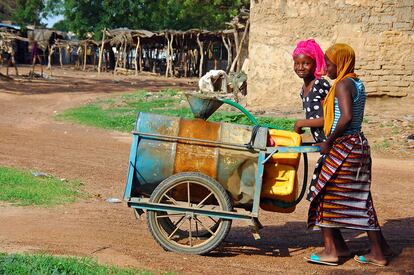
x=293 y=149
x=131 y=167
x=180 y=209
x=258 y=187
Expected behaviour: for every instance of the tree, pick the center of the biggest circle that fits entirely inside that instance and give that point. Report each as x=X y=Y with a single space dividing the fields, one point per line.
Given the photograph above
x=188 y=14
x=61 y=25
x=28 y=11
x=82 y=16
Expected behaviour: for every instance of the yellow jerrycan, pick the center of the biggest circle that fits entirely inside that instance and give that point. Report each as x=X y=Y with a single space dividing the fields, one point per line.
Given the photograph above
x=280 y=180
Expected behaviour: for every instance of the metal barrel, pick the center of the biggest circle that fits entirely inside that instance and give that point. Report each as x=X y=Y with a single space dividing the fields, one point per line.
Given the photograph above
x=169 y=145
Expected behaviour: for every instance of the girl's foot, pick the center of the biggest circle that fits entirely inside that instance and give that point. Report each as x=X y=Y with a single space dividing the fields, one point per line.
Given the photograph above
x=325 y=257
x=314 y=258
x=365 y=259
x=378 y=260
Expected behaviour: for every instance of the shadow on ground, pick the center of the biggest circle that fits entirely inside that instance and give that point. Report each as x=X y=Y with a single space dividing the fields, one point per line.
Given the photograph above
x=292 y=237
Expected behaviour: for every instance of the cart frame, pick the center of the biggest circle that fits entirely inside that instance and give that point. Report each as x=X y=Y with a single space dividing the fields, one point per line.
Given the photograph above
x=140 y=204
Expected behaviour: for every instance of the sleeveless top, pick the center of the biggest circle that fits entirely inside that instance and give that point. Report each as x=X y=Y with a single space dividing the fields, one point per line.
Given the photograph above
x=358 y=106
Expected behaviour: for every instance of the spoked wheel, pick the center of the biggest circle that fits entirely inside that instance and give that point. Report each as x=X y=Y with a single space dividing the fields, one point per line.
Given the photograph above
x=188 y=232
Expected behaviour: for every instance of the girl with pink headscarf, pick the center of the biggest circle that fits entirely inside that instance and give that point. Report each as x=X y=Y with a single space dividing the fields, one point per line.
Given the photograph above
x=309 y=64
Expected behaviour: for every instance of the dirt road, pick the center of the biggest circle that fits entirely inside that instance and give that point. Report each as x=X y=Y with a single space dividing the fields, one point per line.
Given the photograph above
x=30 y=138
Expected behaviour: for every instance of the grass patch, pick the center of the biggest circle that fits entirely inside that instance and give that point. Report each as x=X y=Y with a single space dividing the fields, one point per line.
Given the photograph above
x=22 y=188
x=45 y=264
x=382 y=145
x=119 y=113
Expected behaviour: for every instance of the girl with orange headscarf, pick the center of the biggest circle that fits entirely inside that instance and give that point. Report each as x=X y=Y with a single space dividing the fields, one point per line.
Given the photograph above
x=340 y=195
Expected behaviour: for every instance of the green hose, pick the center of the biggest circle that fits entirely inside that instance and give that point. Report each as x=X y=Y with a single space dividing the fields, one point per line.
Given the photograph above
x=244 y=111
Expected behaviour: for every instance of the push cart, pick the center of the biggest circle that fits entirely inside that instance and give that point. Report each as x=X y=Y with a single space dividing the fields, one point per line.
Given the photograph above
x=193 y=177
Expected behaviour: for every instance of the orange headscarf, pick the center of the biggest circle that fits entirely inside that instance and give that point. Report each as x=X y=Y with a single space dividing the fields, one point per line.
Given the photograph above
x=343 y=56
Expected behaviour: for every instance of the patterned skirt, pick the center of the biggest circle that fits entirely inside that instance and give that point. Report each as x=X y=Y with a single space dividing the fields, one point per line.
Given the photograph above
x=340 y=189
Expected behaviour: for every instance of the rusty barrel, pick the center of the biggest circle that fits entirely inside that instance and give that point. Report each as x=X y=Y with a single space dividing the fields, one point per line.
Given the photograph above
x=169 y=145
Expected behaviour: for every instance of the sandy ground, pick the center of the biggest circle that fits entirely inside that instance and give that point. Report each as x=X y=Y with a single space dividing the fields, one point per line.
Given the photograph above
x=30 y=138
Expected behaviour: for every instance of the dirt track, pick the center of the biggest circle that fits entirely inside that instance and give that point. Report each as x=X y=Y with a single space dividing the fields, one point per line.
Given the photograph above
x=32 y=139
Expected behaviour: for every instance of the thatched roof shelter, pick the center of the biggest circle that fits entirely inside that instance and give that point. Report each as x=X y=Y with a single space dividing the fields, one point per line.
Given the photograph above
x=168 y=49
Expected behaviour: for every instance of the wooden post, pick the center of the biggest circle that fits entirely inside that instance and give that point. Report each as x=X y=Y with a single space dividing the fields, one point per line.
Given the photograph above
x=236 y=37
x=60 y=57
x=94 y=58
x=227 y=44
x=136 y=55
x=233 y=65
x=200 y=45
x=49 y=63
x=125 y=53
x=117 y=58
x=101 y=51
x=140 y=58
x=84 y=57
x=171 y=55
x=167 y=56
x=185 y=63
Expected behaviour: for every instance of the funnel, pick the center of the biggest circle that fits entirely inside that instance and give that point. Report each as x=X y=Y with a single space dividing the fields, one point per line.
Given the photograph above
x=203 y=106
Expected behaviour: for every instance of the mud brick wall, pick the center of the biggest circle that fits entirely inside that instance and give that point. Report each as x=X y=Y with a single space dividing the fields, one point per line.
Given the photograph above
x=380 y=31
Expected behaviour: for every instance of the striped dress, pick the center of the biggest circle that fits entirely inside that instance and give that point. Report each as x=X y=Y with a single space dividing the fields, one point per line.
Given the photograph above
x=340 y=194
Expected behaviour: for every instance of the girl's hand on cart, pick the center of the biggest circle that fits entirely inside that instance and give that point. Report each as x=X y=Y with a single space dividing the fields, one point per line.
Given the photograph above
x=325 y=147
x=298 y=127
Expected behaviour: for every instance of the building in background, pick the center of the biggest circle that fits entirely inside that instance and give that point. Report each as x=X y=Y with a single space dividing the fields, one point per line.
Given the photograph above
x=380 y=31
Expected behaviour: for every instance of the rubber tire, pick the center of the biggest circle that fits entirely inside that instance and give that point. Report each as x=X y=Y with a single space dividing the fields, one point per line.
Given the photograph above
x=222 y=196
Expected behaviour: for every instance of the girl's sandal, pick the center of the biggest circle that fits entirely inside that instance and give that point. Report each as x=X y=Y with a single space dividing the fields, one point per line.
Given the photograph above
x=317 y=260
x=362 y=260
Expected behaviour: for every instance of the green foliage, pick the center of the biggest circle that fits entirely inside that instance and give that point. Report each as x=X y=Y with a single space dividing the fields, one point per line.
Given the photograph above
x=22 y=188
x=45 y=264
x=187 y=14
x=120 y=113
x=61 y=25
x=28 y=11
x=7 y=8
x=92 y=16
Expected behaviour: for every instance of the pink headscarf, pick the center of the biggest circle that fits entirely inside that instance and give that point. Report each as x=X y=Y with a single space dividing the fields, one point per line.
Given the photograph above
x=313 y=50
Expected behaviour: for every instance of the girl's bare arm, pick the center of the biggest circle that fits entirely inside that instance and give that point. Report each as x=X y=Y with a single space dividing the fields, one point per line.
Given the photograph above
x=343 y=93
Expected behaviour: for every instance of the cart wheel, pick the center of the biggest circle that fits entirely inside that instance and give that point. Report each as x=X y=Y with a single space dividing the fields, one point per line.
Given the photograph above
x=187 y=232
